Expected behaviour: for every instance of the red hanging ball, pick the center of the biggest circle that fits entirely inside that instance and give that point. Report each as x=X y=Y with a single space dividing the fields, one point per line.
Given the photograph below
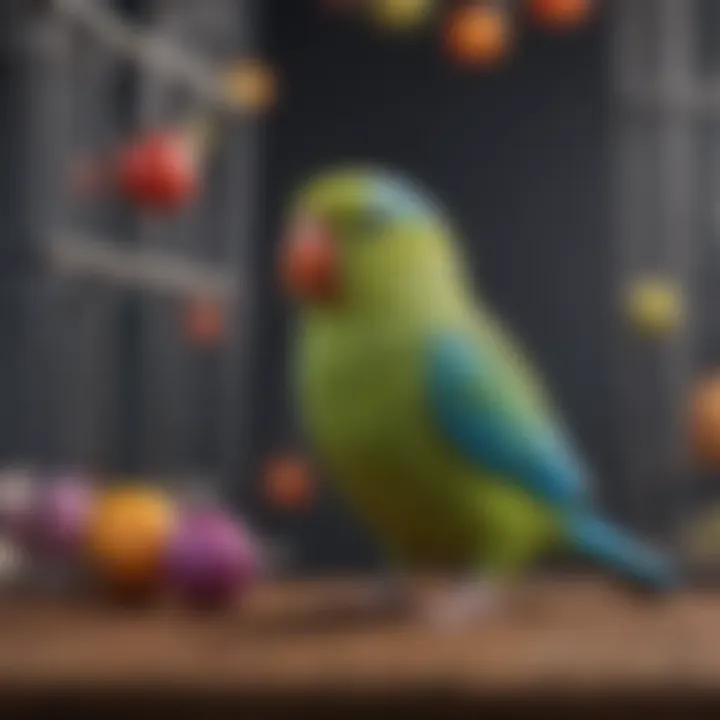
x=158 y=171
x=288 y=483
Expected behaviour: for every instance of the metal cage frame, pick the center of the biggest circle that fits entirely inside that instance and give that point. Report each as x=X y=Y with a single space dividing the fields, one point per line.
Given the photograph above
x=74 y=278
x=667 y=107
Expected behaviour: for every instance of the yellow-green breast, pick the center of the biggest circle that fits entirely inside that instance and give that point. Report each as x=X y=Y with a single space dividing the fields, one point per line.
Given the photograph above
x=363 y=404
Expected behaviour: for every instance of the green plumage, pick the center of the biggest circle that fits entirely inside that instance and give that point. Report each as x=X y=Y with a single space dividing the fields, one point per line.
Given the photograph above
x=363 y=403
x=362 y=387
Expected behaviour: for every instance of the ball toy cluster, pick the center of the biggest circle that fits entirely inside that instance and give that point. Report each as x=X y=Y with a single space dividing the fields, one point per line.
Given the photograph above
x=133 y=541
x=475 y=34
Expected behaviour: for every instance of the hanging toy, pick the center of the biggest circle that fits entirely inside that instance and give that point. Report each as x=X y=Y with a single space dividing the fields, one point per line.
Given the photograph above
x=560 y=15
x=654 y=307
x=479 y=35
x=288 y=483
x=400 y=16
x=159 y=170
x=251 y=85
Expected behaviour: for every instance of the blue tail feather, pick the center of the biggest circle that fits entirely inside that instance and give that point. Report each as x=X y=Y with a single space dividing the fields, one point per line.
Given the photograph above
x=616 y=550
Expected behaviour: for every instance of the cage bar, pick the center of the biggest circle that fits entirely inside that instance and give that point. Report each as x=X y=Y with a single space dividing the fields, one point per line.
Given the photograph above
x=659 y=99
x=100 y=374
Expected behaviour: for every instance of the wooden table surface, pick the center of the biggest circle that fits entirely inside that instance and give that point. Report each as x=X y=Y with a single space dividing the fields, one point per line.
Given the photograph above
x=580 y=638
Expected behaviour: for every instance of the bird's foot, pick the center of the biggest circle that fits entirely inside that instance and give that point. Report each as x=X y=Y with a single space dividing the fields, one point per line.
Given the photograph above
x=464 y=605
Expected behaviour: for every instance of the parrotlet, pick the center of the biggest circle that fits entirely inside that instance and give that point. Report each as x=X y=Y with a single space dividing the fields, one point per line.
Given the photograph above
x=424 y=409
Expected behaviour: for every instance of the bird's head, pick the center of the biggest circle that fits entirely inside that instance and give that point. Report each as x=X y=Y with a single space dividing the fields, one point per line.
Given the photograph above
x=363 y=239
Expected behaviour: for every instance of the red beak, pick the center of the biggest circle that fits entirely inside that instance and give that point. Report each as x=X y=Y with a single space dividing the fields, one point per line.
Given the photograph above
x=308 y=262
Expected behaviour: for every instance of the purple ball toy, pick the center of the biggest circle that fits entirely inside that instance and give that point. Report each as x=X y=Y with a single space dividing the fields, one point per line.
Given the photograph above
x=59 y=516
x=210 y=558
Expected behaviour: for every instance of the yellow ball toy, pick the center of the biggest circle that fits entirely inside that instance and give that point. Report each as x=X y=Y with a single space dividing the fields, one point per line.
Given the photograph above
x=401 y=15
x=127 y=537
x=251 y=85
x=655 y=307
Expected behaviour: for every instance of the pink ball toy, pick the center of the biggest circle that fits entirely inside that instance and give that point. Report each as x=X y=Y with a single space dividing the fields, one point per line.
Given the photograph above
x=211 y=558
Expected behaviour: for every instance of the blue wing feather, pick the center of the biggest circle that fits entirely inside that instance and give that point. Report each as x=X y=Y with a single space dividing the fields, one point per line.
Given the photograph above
x=469 y=399
x=515 y=438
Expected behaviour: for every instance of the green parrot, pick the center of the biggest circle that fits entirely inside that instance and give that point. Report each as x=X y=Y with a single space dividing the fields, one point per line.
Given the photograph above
x=424 y=410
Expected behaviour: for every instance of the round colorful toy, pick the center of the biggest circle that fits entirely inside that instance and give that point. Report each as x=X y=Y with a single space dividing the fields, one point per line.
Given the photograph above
x=159 y=171
x=655 y=306
x=251 y=85
x=127 y=539
x=401 y=16
x=560 y=15
x=479 y=36
x=59 y=516
x=288 y=483
x=211 y=558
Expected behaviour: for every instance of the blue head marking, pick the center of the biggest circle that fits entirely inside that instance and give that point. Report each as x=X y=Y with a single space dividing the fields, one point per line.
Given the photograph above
x=399 y=199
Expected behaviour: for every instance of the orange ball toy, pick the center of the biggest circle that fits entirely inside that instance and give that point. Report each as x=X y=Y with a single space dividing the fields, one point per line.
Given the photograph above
x=127 y=536
x=479 y=35
x=560 y=14
x=288 y=483
x=705 y=423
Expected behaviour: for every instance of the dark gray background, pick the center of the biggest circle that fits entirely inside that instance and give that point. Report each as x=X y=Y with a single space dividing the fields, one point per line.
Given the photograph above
x=520 y=158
